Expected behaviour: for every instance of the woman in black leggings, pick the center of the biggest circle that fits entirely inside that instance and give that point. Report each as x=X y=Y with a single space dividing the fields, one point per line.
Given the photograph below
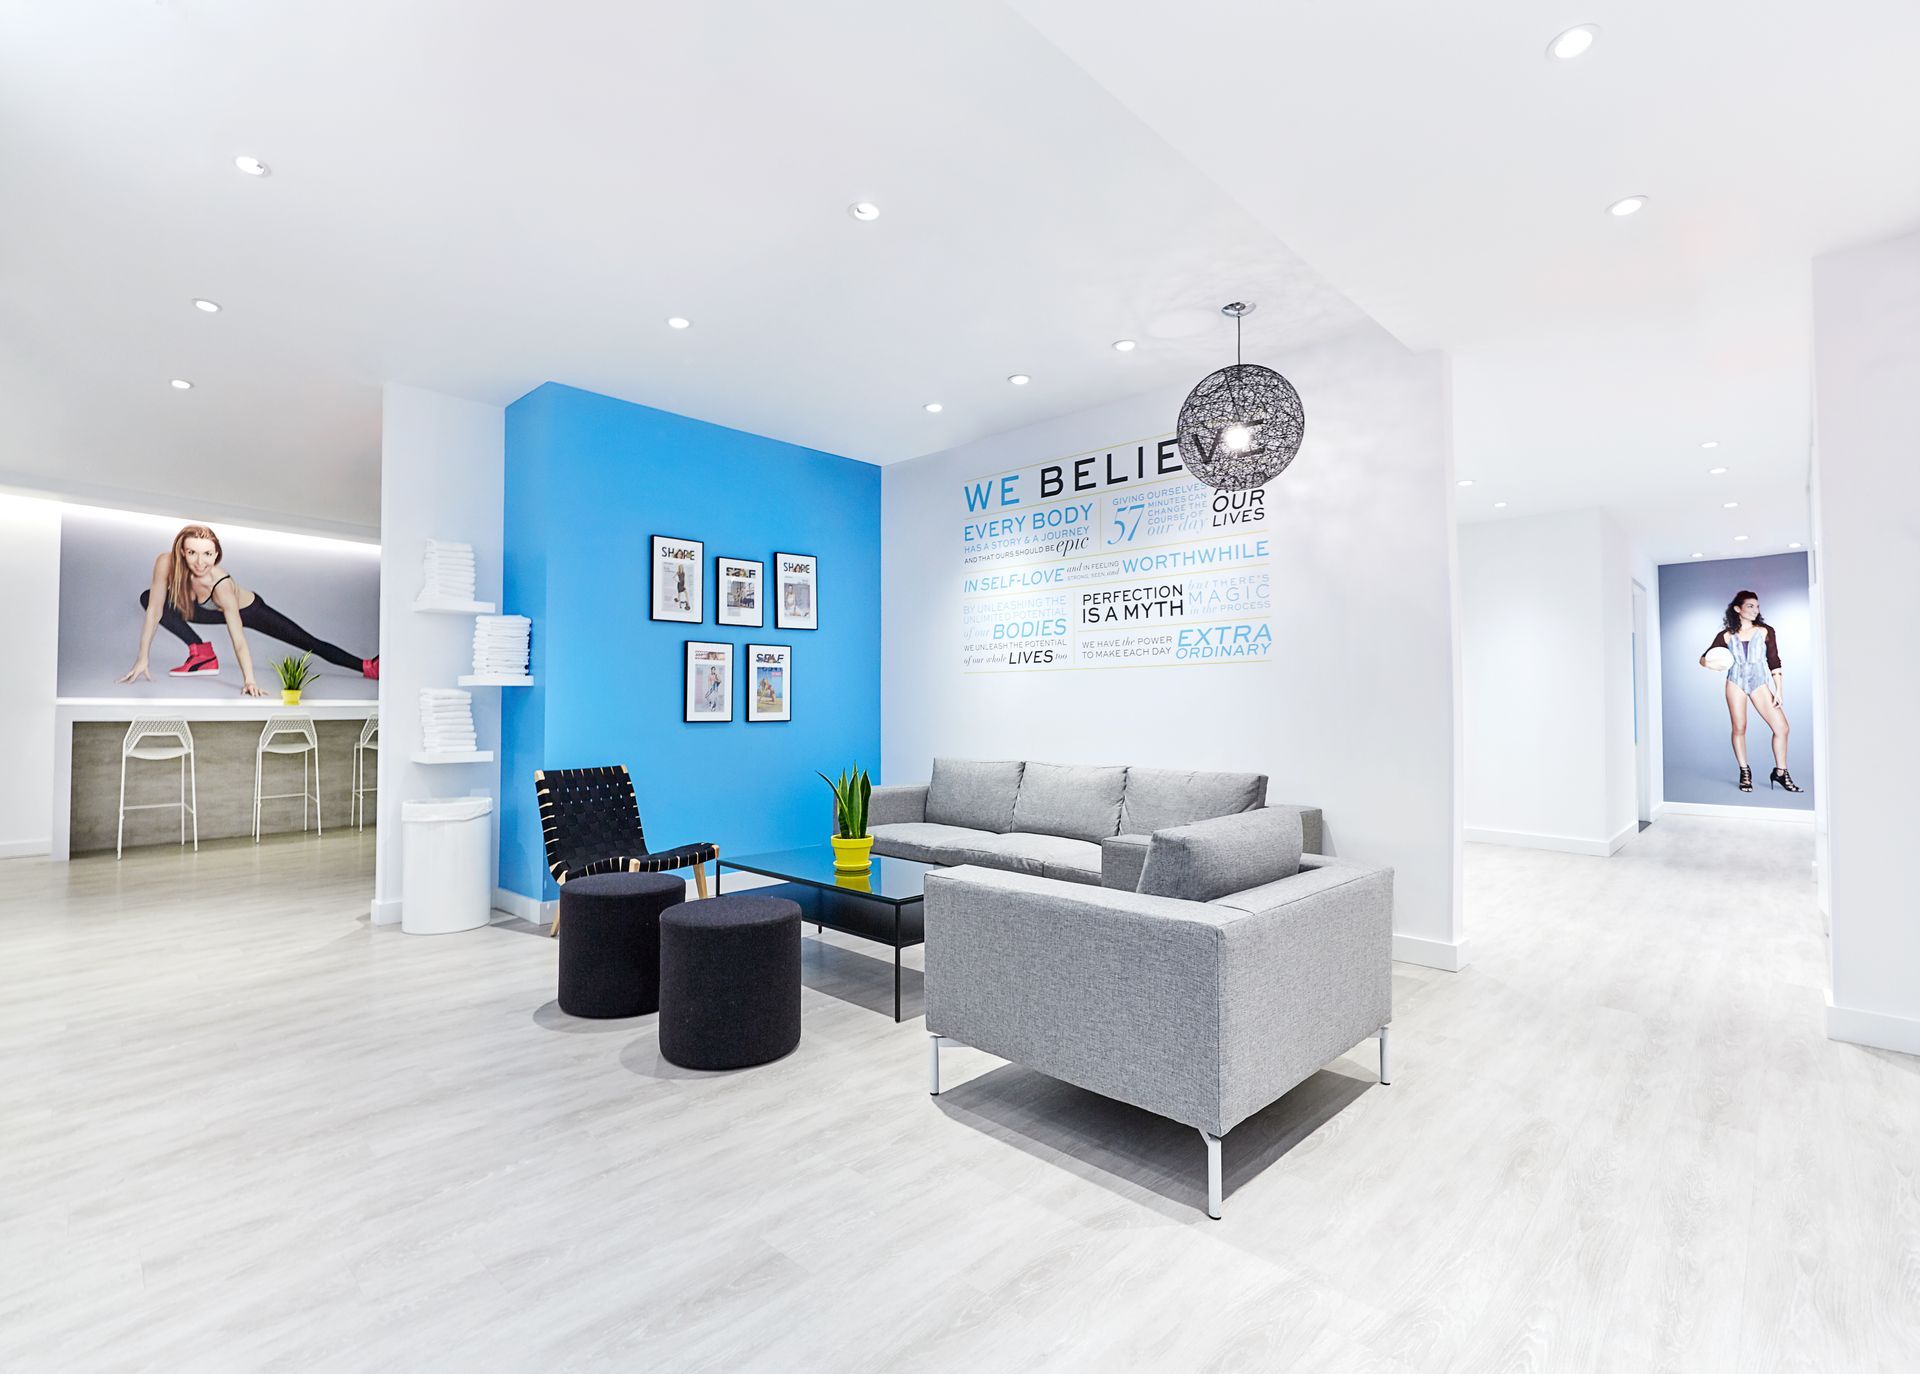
x=190 y=587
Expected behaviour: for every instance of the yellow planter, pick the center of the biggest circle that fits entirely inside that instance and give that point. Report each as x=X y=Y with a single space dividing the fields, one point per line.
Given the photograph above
x=852 y=856
x=290 y=698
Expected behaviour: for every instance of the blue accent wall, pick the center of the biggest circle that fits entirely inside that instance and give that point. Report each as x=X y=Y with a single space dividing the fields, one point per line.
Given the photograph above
x=589 y=480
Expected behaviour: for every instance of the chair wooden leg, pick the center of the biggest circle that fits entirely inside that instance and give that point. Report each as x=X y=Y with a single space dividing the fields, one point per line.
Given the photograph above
x=700 y=879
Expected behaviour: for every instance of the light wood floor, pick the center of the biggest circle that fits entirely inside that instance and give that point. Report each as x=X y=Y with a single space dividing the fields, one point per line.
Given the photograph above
x=241 y=1129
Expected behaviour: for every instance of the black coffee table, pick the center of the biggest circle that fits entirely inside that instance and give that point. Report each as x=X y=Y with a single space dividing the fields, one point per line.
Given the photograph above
x=884 y=904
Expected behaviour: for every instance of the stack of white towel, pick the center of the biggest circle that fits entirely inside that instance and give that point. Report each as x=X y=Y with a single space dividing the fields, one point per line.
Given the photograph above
x=446 y=721
x=449 y=572
x=500 y=644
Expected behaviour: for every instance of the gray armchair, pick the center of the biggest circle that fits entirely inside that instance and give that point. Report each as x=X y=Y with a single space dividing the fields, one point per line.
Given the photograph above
x=1203 y=1011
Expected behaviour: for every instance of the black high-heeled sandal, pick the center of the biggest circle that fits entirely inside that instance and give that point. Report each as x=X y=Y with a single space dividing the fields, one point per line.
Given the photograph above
x=1785 y=779
x=1746 y=779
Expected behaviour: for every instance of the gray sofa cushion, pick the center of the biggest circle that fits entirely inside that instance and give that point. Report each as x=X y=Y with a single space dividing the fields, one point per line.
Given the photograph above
x=975 y=794
x=1160 y=798
x=1045 y=856
x=1228 y=854
x=924 y=841
x=1121 y=859
x=1082 y=803
x=1050 y=856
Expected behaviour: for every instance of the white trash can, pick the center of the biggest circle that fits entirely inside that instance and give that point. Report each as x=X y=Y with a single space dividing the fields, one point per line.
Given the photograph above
x=445 y=885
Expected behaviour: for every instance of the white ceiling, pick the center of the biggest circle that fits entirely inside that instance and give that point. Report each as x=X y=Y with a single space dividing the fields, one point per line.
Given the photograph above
x=1450 y=178
x=479 y=197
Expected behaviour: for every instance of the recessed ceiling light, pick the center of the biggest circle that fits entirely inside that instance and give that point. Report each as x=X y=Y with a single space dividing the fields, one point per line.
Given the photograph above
x=1499 y=505
x=211 y=307
x=1710 y=443
x=1124 y=345
x=253 y=166
x=1794 y=545
x=1573 y=42
x=1699 y=555
x=1739 y=538
x=933 y=407
x=1627 y=205
x=1716 y=472
x=182 y=384
x=864 y=211
x=1019 y=379
x=678 y=321
x=1464 y=482
x=1729 y=505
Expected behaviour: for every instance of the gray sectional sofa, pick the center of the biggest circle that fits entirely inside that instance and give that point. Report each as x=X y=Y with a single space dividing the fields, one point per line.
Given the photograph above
x=1161 y=938
x=1074 y=823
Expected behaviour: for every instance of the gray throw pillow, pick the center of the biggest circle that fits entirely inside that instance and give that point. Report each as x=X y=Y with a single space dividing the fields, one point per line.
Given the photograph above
x=1081 y=803
x=972 y=793
x=1210 y=859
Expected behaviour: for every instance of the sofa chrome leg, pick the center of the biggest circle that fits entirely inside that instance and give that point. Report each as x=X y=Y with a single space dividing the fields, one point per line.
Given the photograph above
x=1213 y=1174
x=1386 y=1075
x=933 y=1063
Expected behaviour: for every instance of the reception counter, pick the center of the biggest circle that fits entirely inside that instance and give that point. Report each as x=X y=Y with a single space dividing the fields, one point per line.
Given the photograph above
x=87 y=736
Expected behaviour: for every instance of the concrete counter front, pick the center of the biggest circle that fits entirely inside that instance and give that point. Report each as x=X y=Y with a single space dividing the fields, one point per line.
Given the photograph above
x=88 y=732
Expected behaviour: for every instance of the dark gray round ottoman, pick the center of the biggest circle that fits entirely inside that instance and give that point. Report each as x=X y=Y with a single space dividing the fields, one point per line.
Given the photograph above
x=729 y=981
x=610 y=942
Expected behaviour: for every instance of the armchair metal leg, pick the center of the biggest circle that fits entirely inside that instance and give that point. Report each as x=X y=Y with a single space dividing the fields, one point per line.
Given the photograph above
x=933 y=1063
x=1385 y=1075
x=1213 y=1174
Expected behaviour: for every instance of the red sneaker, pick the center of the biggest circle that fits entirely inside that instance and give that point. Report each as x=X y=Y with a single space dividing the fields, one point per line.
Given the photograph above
x=370 y=667
x=200 y=659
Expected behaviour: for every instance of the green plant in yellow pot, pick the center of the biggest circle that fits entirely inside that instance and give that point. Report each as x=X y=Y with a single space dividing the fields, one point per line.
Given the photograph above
x=295 y=674
x=852 y=845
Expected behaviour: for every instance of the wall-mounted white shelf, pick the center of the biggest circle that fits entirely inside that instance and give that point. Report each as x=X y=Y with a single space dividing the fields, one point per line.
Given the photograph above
x=438 y=606
x=453 y=756
x=494 y=680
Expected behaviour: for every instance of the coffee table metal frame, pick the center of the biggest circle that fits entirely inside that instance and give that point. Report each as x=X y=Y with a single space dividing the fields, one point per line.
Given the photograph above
x=885 y=905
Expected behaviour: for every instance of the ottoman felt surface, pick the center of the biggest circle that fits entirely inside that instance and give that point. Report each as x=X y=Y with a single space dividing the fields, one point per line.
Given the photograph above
x=610 y=942
x=729 y=981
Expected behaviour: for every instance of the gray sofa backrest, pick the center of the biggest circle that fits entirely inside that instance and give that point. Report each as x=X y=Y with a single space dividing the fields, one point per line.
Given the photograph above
x=975 y=794
x=1083 y=802
x=1161 y=798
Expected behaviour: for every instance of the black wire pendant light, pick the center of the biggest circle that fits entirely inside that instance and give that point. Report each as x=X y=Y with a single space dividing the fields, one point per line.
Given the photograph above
x=1243 y=424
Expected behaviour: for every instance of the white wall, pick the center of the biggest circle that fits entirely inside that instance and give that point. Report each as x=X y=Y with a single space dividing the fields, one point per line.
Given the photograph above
x=30 y=571
x=442 y=476
x=1867 y=548
x=1547 y=682
x=1354 y=713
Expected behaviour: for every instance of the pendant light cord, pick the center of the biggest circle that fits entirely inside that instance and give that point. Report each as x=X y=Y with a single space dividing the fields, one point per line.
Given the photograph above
x=1236 y=340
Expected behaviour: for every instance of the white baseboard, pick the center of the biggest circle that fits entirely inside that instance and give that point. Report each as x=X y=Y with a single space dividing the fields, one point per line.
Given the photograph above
x=1874 y=1028
x=24 y=849
x=1411 y=949
x=518 y=908
x=384 y=913
x=1734 y=813
x=1561 y=844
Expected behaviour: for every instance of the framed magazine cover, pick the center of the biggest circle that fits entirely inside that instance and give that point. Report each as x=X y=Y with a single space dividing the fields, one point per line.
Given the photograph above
x=796 y=591
x=709 y=682
x=739 y=592
x=678 y=587
x=769 y=682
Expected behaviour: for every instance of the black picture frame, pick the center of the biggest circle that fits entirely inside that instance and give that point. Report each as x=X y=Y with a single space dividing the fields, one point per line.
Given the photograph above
x=722 y=614
x=757 y=713
x=785 y=614
x=693 y=660
x=688 y=557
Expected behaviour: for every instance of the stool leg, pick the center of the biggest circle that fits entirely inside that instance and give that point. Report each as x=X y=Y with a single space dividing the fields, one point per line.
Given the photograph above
x=183 y=799
x=120 y=837
x=319 y=821
x=256 y=796
x=193 y=782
